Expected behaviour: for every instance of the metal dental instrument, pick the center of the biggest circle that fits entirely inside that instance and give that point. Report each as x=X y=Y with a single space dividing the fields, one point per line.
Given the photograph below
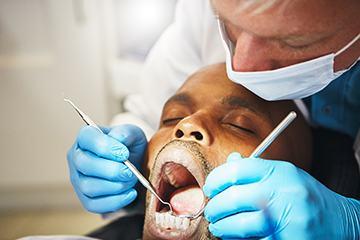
x=271 y=137
x=256 y=153
x=132 y=168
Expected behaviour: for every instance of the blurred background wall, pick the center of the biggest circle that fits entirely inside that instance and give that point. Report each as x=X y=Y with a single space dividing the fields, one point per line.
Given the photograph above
x=90 y=50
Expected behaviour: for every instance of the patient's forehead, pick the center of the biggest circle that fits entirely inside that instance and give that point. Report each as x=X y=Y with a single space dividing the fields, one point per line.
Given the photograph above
x=213 y=79
x=214 y=75
x=212 y=82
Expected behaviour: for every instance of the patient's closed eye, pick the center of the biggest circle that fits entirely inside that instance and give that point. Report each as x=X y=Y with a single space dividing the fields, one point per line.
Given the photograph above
x=239 y=123
x=173 y=114
x=170 y=121
x=241 y=128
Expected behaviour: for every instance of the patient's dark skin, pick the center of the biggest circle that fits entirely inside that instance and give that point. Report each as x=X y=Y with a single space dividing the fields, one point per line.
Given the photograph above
x=208 y=118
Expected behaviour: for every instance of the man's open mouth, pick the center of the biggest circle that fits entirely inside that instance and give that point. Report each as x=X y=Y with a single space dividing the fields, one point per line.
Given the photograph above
x=180 y=188
x=177 y=178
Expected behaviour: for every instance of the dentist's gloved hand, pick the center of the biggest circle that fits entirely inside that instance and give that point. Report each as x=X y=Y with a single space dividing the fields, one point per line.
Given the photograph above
x=102 y=182
x=299 y=206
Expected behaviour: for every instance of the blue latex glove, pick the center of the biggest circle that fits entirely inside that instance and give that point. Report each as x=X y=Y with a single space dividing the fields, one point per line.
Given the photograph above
x=300 y=207
x=102 y=182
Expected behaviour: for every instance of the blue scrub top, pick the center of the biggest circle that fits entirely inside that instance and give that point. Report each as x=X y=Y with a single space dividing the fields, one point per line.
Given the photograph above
x=337 y=107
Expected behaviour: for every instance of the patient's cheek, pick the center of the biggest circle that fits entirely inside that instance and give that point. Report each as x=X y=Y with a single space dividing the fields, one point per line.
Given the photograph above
x=187 y=200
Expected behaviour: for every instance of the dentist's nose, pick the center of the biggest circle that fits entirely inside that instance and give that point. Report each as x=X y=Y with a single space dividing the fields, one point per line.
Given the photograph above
x=193 y=128
x=252 y=54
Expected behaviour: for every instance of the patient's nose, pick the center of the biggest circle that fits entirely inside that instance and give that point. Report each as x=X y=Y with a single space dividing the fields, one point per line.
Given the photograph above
x=193 y=128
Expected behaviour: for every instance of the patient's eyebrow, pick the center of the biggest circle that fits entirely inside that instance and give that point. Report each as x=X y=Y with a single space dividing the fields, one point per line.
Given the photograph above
x=238 y=102
x=181 y=97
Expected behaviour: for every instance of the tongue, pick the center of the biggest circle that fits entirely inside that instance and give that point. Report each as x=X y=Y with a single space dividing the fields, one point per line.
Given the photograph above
x=187 y=200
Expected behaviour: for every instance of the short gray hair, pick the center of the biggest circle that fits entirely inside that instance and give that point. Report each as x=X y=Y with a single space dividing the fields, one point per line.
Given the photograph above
x=258 y=6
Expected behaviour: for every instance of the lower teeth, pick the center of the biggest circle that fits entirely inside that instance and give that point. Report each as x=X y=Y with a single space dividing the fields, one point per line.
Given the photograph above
x=167 y=220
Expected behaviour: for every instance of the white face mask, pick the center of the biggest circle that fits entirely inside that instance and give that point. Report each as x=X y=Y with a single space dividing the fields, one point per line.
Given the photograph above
x=292 y=82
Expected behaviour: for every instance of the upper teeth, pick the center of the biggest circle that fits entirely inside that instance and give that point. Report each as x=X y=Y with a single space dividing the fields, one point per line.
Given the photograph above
x=167 y=220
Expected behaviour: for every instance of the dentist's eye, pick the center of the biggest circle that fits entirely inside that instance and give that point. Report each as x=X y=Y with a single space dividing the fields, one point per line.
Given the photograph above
x=297 y=44
x=294 y=47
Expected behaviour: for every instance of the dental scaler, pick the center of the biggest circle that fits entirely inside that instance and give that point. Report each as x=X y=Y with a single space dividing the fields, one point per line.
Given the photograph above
x=132 y=168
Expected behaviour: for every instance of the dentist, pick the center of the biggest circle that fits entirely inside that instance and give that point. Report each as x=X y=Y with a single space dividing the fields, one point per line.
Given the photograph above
x=278 y=49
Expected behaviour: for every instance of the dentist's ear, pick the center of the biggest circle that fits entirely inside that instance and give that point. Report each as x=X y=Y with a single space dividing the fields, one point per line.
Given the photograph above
x=235 y=156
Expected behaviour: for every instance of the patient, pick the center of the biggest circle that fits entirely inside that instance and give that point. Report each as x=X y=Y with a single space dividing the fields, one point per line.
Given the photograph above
x=208 y=118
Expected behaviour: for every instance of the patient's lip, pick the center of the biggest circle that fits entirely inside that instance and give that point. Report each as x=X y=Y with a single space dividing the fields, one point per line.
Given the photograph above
x=183 y=156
